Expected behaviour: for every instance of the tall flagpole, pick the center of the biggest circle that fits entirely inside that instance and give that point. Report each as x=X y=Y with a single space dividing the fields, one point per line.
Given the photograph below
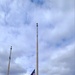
x=36 y=49
x=9 y=61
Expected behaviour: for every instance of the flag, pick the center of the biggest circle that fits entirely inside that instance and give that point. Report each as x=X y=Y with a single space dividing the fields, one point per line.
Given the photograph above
x=33 y=73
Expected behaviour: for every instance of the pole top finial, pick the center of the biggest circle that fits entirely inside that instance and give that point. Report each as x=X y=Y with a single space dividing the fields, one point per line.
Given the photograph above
x=11 y=47
x=37 y=24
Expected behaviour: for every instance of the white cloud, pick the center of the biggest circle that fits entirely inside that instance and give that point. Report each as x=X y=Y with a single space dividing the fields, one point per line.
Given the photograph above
x=56 y=35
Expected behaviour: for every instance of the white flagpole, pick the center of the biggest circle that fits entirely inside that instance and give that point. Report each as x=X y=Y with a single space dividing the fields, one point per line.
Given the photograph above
x=9 y=61
x=36 y=49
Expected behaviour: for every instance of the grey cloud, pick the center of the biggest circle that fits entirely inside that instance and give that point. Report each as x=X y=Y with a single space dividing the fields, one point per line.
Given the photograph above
x=61 y=62
x=15 y=69
x=17 y=28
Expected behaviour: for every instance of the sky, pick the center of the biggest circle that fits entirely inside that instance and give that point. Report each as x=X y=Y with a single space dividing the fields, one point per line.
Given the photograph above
x=56 y=36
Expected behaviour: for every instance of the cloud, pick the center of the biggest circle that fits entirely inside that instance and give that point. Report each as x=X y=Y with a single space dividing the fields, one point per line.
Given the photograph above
x=61 y=62
x=18 y=20
x=15 y=68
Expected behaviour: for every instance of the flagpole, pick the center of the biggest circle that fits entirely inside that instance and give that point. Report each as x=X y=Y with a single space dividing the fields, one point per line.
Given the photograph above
x=36 y=49
x=9 y=61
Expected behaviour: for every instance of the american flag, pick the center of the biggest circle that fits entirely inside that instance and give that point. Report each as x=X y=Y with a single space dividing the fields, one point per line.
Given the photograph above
x=33 y=73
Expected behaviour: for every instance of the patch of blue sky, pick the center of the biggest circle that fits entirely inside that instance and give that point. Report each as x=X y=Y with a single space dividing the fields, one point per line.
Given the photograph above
x=64 y=42
x=60 y=43
x=39 y=2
